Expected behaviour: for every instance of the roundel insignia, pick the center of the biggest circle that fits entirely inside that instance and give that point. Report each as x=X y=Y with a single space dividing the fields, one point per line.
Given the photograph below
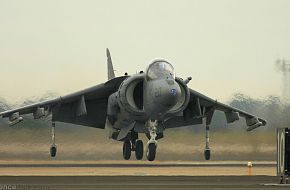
x=173 y=92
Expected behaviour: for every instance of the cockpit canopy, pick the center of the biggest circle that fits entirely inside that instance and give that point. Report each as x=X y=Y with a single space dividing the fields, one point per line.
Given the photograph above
x=160 y=69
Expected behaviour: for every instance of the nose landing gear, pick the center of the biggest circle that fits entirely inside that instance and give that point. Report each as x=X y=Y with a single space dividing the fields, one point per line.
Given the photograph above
x=152 y=143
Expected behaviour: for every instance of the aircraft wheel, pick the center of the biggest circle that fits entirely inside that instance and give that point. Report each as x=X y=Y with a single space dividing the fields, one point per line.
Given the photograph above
x=53 y=151
x=127 y=149
x=151 y=151
x=139 y=149
x=207 y=154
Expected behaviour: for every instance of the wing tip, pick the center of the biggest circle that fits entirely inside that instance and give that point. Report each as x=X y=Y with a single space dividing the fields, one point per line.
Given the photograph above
x=264 y=122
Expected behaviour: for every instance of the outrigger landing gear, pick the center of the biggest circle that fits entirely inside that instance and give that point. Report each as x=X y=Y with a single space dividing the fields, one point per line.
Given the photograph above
x=207 y=149
x=53 y=148
x=152 y=143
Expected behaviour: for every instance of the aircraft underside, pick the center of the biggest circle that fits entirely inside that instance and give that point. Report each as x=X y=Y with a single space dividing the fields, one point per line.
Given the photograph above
x=132 y=142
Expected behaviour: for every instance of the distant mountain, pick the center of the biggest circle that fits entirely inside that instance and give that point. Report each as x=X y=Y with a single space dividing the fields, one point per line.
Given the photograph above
x=35 y=99
x=4 y=105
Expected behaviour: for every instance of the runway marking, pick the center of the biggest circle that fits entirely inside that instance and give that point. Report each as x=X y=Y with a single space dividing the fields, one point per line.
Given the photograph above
x=276 y=184
x=113 y=164
x=133 y=171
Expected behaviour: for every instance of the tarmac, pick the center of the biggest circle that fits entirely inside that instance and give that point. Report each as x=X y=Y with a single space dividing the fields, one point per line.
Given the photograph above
x=141 y=182
x=138 y=175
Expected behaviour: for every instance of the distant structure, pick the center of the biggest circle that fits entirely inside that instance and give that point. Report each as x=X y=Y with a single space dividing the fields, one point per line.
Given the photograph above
x=283 y=66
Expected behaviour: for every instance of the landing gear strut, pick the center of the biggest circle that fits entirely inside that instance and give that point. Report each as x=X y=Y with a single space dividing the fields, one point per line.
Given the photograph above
x=53 y=148
x=207 y=149
x=152 y=143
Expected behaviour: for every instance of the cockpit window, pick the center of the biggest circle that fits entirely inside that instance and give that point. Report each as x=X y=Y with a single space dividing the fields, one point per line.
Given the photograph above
x=160 y=69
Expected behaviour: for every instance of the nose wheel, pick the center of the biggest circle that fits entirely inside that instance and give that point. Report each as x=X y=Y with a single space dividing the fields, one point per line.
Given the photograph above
x=151 y=151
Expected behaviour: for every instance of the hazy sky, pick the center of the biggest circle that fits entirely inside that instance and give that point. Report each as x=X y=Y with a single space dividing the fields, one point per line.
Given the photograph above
x=227 y=46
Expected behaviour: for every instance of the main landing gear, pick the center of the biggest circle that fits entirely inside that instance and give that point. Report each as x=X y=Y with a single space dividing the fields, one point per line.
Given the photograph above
x=139 y=149
x=53 y=148
x=137 y=145
x=133 y=145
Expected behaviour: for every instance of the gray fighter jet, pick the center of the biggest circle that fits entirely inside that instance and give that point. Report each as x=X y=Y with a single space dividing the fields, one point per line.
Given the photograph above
x=148 y=102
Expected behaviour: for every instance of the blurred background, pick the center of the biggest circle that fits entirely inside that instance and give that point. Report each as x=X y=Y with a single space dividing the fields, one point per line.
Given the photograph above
x=236 y=51
x=30 y=140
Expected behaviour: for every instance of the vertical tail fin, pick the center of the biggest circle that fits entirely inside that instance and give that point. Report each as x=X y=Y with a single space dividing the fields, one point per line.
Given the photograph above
x=111 y=73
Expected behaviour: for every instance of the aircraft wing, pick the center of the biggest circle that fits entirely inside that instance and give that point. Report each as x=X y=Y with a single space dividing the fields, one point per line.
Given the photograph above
x=232 y=114
x=200 y=105
x=87 y=107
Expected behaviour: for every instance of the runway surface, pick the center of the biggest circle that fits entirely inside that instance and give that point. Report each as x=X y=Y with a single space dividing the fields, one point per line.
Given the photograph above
x=134 y=168
x=142 y=182
x=137 y=175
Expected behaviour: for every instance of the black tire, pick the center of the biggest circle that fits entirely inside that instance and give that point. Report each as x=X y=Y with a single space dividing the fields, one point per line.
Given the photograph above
x=139 y=149
x=151 y=152
x=127 y=149
x=207 y=154
x=53 y=151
